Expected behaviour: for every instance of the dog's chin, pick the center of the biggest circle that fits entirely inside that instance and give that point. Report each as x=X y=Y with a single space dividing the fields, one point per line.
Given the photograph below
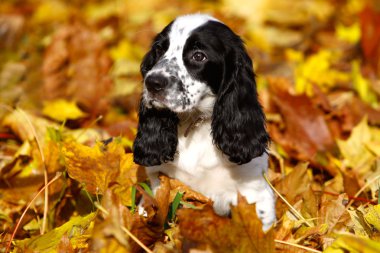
x=175 y=107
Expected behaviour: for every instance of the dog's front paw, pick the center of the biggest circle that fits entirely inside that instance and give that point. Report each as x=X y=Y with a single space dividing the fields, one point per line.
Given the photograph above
x=266 y=212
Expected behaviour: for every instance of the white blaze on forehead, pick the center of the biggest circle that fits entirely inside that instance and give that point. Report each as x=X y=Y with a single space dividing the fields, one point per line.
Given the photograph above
x=183 y=26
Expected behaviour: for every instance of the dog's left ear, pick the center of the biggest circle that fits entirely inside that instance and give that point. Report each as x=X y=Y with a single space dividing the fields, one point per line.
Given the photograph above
x=238 y=121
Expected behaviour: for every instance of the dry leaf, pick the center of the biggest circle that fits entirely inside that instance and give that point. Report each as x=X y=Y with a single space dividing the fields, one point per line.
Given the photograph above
x=96 y=167
x=76 y=227
x=76 y=68
x=303 y=121
x=220 y=233
x=62 y=110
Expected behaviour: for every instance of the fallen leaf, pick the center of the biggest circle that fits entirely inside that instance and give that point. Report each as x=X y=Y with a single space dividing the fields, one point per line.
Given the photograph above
x=17 y=121
x=51 y=11
x=370 y=42
x=189 y=194
x=373 y=216
x=354 y=150
x=96 y=167
x=76 y=227
x=294 y=184
x=351 y=34
x=317 y=70
x=362 y=86
x=354 y=244
x=331 y=211
x=302 y=121
x=76 y=67
x=219 y=233
x=361 y=227
x=64 y=245
x=13 y=26
x=62 y=110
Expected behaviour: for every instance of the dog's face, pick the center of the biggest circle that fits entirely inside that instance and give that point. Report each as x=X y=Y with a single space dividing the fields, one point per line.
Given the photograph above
x=185 y=66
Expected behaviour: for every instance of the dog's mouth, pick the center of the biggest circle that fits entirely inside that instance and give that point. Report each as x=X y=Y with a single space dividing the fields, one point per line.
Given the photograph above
x=157 y=102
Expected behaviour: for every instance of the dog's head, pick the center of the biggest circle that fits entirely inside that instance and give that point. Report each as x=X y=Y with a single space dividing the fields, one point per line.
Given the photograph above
x=198 y=64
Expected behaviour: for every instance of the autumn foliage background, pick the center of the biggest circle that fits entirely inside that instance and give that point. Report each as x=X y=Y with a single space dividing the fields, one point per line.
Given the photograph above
x=69 y=81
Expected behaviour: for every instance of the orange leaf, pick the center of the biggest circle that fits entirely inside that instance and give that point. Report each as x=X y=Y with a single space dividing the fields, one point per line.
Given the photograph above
x=97 y=166
x=242 y=233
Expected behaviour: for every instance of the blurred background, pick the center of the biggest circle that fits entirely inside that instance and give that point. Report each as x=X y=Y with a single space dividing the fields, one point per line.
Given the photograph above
x=85 y=55
x=90 y=51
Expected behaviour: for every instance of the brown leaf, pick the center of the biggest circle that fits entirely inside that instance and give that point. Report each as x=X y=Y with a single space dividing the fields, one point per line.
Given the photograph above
x=76 y=67
x=111 y=223
x=151 y=229
x=351 y=183
x=331 y=211
x=310 y=205
x=294 y=184
x=370 y=27
x=64 y=245
x=221 y=233
x=189 y=194
x=12 y=25
x=306 y=134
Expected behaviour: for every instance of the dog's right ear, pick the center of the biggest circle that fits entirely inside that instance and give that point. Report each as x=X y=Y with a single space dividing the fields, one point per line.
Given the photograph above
x=156 y=139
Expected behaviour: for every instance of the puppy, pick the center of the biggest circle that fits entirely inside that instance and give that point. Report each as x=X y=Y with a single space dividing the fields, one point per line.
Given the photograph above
x=200 y=120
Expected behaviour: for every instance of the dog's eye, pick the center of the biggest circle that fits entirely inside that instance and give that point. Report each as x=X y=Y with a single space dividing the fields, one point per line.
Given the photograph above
x=199 y=57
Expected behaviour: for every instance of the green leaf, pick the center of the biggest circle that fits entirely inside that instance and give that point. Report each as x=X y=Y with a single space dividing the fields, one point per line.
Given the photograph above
x=133 y=193
x=76 y=228
x=175 y=204
x=147 y=189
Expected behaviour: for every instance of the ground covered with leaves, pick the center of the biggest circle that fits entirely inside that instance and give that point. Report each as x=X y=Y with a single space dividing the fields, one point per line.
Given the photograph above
x=69 y=89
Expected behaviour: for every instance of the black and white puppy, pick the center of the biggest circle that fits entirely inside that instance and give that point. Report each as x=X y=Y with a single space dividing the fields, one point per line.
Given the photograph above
x=200 y=120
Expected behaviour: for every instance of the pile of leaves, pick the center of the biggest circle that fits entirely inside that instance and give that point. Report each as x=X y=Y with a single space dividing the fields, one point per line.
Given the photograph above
x=69 y=89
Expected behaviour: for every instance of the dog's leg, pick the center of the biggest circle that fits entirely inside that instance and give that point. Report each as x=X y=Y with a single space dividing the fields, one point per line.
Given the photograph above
x=154 y=184
x=259 y=192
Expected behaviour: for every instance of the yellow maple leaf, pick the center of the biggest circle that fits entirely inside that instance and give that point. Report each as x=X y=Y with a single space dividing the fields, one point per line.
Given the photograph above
x=373 y=216
x=354 y=150
x=62 y=110
x=350 y=34
x=362 y=85
x=96 y=167
x=317 y=69
x=51 y=11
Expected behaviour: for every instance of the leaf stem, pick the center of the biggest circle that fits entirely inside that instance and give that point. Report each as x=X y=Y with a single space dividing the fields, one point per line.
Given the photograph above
x=28 y=207
x=362 y=189
x=46 y=202
x=294 y=211
x=298 y=246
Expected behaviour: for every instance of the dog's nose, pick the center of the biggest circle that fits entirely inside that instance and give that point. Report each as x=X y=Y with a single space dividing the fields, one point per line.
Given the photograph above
x=156 y=83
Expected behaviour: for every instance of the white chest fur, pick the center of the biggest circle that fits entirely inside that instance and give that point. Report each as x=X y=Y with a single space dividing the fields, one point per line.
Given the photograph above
x=204 y=168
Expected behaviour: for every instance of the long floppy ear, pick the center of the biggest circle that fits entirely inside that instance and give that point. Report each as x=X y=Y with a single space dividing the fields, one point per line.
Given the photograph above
x=156 y=139
x=238 y=121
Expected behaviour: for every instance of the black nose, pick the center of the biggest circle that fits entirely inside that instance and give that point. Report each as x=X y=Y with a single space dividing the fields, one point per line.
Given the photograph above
x=156 y=83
